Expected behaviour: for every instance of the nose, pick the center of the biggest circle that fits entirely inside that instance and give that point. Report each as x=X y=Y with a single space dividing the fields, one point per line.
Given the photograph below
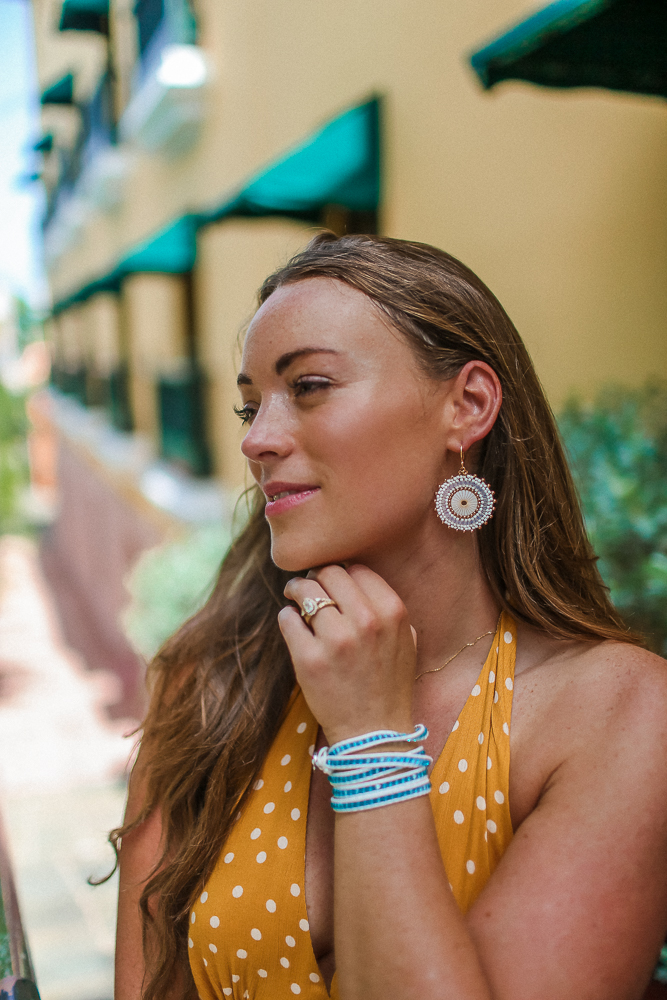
x=269 y=436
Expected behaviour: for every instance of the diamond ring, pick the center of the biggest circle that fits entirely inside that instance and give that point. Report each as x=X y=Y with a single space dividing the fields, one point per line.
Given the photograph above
x=312 y=605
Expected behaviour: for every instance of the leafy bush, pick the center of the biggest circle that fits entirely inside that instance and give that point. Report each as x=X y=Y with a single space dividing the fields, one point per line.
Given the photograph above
x=169 y=583
x=14 y=475
x=618 y=453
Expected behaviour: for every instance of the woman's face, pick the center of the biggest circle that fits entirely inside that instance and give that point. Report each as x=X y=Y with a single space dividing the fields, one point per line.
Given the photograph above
x=345 y=435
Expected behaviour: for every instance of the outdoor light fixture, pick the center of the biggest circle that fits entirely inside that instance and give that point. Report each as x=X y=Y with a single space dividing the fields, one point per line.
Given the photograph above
x=182 y=66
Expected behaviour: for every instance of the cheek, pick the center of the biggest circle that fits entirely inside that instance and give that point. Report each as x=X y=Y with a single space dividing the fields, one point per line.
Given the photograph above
x=387 y=452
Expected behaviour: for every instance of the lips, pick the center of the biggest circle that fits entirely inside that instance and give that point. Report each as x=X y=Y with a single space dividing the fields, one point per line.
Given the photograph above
x=284 y=496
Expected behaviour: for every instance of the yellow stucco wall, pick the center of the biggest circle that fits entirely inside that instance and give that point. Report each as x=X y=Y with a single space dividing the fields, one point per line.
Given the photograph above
x=557 y=199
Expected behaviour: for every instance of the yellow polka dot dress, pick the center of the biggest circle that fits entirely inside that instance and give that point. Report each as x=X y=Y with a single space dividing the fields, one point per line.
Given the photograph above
x=249 y=935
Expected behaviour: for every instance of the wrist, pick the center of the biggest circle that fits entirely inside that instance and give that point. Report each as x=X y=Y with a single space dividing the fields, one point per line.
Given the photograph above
x=352 y=730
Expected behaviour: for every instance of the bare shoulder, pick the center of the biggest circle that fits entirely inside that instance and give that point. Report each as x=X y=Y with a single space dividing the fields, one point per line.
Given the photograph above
x=586 y=707
x=589 y=676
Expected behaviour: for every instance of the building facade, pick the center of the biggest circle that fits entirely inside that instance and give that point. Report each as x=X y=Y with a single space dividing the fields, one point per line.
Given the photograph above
x=190 y=146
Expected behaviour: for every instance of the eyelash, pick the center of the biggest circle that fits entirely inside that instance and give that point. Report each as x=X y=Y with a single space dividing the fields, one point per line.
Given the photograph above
x=301 y=387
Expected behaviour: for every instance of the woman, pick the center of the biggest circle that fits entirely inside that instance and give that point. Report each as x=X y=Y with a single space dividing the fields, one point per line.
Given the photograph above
x=372 y=371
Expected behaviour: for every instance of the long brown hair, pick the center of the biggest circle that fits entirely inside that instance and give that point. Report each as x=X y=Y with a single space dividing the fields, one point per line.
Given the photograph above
x=221 y=684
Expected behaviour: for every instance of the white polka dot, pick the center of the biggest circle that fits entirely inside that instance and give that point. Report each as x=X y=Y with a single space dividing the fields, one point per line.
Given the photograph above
x=246 y=995
x=282 y=843
x=295 y=813
x=489 y=763
x=455 y=726
x=491 y=826
x=256 y=934
x=495 y=698
x=271 y=905
x=295 y=889
x=508 y=683
x=311 y=749
x=285 y=963
x=476 y=690
x=507 y=637
x=314 y=978
x=229 y=857
x=285 y=760
x=288 y=786
x=458 y=817
x=203 y=897
x=235 y=979
x=269 y=807
x=444 y=788
x=492 y=677
x=213 y=948
x=261 y=857
x=263 y=973
x=463 y=765
x=237 y=891
x=499 y=797
x=241 y=953
x=480 y=738
x=191 y=943
x=497 y=649
x=304 y=925
x=481 y=802
x=255 y=833
x=227 y=991
x=193 y=917
x=295 y=988
x=301 y=728
x=259 y=784
x=290 y=942
x=214 y=921
x=470 y=867
x=506 y=729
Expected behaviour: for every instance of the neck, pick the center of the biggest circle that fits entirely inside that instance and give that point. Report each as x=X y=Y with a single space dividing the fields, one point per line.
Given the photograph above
x=441 y=581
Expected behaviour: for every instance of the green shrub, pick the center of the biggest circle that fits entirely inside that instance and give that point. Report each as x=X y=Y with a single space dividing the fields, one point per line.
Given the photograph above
x=618 y=452
x=169 y=583
x=14 y=475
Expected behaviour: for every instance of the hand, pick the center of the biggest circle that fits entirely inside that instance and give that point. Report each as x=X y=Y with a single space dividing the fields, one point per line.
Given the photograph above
x=355 y=663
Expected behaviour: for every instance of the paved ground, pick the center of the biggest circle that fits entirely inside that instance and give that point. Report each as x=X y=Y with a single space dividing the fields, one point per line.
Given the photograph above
x=62 y=765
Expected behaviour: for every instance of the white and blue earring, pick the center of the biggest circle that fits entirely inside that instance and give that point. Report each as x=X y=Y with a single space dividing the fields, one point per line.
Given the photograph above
x=464 y=502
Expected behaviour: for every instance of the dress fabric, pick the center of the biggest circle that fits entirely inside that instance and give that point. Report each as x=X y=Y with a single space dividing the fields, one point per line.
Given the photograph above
x=249 y=935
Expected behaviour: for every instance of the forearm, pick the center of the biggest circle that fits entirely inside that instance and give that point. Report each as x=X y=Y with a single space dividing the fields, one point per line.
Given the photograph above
x=398 y=930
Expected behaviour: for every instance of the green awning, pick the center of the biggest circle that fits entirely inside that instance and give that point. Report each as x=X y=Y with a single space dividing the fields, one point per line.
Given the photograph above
x=44 y=144
x=172 y=250
x=60 y=92
x=85 y=15
x=616 y=44
x=337 y=165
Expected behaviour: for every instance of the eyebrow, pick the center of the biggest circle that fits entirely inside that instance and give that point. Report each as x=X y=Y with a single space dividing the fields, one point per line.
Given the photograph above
x=285 y=360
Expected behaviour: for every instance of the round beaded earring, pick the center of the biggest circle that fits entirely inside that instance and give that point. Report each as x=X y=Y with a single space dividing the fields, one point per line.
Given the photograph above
x=464 y=502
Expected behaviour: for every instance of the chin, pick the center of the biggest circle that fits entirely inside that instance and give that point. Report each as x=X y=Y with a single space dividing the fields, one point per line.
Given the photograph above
x=298 y=556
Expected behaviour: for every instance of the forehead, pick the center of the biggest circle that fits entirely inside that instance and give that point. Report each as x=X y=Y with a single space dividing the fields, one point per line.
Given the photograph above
x=317 y=311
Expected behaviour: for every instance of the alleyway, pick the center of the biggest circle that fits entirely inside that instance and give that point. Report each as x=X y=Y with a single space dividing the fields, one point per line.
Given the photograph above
x=62 y=765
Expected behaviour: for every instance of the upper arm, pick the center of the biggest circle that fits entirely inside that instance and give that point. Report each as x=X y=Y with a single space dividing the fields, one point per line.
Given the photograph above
x=577 y=907
x=139 y=853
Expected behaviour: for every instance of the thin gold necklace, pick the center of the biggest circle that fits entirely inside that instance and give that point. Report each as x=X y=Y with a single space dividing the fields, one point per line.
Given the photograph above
x=436 y=670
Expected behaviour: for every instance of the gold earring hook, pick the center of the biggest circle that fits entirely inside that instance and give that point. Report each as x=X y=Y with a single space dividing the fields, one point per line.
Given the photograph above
x=462 y=470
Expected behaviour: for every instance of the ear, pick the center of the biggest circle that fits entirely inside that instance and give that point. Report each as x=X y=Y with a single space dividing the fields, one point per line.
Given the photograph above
x=472 y=406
